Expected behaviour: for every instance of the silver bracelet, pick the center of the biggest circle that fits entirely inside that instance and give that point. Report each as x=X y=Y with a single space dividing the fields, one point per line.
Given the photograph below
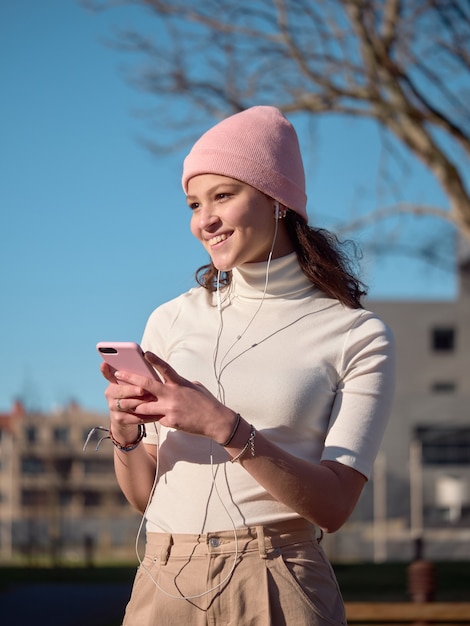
x=249 y=444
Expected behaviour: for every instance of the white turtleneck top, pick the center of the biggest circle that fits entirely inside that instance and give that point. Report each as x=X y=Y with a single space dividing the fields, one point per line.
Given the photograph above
x=315 y=377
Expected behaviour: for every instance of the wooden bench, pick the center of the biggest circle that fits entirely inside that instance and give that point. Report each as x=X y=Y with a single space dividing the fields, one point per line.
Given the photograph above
x=393 y=613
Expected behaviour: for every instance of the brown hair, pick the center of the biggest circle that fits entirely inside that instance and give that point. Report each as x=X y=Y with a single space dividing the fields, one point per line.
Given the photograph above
x=322 y=258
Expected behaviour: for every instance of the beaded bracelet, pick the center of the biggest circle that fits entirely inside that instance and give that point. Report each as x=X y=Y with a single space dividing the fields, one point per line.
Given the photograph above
x=132 y=446
x=249 y=444
x=232 y=435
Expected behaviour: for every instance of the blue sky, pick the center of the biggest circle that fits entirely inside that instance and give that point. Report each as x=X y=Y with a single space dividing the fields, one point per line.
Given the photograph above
x=94 y=229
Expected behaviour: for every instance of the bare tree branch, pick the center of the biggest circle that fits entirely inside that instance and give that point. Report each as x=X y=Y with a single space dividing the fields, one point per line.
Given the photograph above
x=402 y=63
x=392 y=211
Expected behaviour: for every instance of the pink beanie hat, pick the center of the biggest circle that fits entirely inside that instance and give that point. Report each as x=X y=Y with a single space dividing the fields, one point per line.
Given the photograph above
x=258 y=146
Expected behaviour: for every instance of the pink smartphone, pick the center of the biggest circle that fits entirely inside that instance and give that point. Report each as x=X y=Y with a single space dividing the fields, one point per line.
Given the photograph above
x=126 y=356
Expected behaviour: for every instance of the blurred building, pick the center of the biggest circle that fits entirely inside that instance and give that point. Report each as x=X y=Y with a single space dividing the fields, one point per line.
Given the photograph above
x=55 y=499
x=421 y=484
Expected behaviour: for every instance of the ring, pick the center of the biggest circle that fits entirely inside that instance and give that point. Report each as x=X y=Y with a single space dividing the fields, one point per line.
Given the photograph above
x=118 y=404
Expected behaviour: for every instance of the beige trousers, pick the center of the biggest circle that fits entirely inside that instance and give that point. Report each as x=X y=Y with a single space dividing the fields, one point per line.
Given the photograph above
x=268 y=576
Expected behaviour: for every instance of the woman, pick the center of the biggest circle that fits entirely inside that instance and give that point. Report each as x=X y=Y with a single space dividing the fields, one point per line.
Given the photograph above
x=240 y=473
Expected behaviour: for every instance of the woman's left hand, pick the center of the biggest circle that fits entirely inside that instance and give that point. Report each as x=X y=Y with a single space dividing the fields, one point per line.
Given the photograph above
x=180 y=404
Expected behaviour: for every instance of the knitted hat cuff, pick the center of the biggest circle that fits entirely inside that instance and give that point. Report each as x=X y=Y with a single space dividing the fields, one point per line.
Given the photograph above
x=266 y=180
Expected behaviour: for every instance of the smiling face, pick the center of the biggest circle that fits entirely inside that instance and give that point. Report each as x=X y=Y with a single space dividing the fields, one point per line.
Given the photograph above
x=234 y=222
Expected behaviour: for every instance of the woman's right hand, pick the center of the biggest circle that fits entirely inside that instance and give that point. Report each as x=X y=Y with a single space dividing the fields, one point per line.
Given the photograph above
x=135 y=471
x=123 y=421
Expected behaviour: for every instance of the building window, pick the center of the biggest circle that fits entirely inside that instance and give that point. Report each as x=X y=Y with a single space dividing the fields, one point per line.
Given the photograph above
x=443 y=386
x=443 y=339
x=32 y=465
x=34 y=498
x=65 y=498
x=63 y=467
x=91 y=499
x=61 y=434
x=31 y=434
x=444 y=446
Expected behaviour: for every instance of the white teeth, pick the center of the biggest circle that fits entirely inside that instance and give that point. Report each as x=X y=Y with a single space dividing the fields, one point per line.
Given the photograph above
x=217 y=239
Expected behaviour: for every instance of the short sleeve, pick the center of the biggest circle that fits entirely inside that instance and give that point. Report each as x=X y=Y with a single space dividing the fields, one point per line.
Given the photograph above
x=364 y=396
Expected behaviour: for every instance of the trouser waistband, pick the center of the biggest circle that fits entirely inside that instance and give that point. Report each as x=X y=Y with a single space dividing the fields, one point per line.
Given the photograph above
x=266 y=539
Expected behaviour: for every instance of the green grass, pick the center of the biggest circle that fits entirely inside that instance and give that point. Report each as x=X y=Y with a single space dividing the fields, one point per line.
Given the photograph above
x=388 y=581
x=78 y=575
x=358 y=581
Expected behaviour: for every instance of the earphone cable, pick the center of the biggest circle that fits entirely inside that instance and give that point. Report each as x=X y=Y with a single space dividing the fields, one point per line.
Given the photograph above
x=220 y=397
